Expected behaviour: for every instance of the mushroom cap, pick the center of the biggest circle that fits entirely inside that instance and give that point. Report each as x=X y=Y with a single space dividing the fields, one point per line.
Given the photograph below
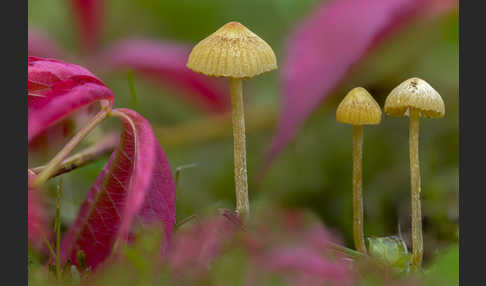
x=414 y=93
x=232 y=51
x=358 y=108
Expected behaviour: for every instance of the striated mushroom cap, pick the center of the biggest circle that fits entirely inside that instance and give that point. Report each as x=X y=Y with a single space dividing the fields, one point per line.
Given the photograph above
x=232 y=51
x=358 y=108
x=414 y=93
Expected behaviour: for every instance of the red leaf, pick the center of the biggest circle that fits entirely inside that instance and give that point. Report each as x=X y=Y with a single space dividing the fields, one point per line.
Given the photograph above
x=136 y=183
x=166 y=63
x=89 y=14
x=41 y=45
x=324 y=47
x=37 y=218
x=57 y=89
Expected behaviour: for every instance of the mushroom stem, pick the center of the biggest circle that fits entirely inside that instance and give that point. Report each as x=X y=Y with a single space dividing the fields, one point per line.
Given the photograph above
x=238 y=116
x=358 y=233
x=417 y=240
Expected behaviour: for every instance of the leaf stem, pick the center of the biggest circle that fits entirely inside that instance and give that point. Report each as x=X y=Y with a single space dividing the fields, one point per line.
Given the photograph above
x=52 y=166
x=93 y=153
x=358 y=232
x=417 y=240
x=46 y=241
x=238 y=119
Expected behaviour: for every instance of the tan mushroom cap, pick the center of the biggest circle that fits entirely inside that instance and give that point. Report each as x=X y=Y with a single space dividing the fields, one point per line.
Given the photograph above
x=414 y=93
x=232 y=51
x=358 y=108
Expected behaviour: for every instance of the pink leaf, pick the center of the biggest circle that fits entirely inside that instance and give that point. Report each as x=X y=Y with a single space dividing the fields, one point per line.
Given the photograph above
x=135 y=184
x=89 y=14
x=166 y=63
x=196 y=247
x=57 y=89
x=308 y=262
x=323 y=49
x=41 y=45
x=37 y=218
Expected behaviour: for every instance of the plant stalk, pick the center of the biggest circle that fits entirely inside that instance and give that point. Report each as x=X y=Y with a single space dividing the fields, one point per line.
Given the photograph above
x=52 y=166
x=238 y=118
x=417 y=240
x=358 y=232
x=91 y=154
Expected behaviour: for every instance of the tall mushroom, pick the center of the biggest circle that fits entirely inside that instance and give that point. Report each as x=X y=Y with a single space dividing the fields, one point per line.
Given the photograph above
x=358 y=108
x=234 y=52
x=415 y=98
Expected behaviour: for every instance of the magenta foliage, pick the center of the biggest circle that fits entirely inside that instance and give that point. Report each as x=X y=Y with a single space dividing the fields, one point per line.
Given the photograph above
x=57 y=89
x=37 y=217
x=89 y=14
x=306 y=263
x=297 y=248
x=135 y=184
x=166 y=62
x=322 y=50
x=196 y=247
x=284 y=243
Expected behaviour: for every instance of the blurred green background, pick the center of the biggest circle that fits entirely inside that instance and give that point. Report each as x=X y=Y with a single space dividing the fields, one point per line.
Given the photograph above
x=314 y=171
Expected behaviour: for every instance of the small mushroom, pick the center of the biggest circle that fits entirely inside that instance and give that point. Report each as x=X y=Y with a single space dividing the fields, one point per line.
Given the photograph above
x=234 y=52
x=415 y=98
x=358 y=108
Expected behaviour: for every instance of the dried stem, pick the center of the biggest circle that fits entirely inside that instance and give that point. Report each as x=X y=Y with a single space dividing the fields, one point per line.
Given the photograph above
x=52 y=166
x=238 y=116
x=417 y=240
x=93 y=153
x=358 y=233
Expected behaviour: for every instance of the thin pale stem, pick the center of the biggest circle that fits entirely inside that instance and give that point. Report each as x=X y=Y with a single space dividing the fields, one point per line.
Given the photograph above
x=46 y=241
x=358 y=233
x=52 y=166
x=238 y=116
x=417 y=240
x=84 y=157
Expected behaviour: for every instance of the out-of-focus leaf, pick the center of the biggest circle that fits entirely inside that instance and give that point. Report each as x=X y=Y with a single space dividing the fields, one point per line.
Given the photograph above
x=305 y=263
x=295 y=246
x=89 y=16
x=166 y=63
x=197 y=246
x=37 y=218
x=57 y=89
x=135 y=184
x=40 y=45
x=322 y=50
x=444 y=270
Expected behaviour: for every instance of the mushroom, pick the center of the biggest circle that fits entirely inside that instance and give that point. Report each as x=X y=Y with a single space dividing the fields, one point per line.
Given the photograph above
x=234 y=52
x=358 y=108
x=415 y=98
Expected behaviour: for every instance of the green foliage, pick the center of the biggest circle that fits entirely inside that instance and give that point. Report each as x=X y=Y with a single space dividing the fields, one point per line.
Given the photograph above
x=444 y=269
